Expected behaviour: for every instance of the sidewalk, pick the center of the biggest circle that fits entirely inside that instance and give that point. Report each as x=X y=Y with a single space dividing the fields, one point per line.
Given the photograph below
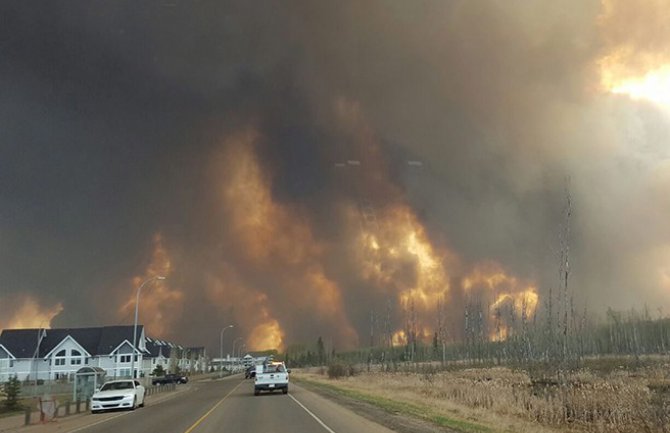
x=15 y=423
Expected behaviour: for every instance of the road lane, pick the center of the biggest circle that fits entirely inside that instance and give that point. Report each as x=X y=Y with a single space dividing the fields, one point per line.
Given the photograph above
x=300 y=411
x=224 y=406
x=173 y=415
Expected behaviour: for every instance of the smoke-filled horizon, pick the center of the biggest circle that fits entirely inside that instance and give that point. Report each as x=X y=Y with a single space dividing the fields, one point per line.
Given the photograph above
x=302 y=169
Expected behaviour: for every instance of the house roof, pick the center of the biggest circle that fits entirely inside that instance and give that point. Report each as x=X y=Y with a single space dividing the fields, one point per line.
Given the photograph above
x=21 y=343
x=157 y=347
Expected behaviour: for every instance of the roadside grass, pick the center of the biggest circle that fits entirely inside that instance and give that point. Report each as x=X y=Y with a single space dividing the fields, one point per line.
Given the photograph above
x=608 y=396
x=404 y=408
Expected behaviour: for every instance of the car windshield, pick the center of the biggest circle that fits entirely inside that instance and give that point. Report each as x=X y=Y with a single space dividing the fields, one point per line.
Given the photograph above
x=112 y=386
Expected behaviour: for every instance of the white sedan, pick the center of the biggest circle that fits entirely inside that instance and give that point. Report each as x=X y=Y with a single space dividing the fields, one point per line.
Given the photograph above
x=118 y=394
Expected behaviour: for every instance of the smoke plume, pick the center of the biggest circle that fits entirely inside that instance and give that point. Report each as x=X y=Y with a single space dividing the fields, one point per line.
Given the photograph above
x=302 y=169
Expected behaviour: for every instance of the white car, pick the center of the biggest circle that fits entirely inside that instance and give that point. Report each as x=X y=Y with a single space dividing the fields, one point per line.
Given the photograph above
x=118 y=394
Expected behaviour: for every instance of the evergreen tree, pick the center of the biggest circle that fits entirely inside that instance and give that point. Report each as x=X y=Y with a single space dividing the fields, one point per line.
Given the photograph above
x=321 y=351
x=12 y=389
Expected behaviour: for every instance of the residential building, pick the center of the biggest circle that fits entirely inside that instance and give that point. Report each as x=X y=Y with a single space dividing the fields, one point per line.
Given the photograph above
x=56 y=354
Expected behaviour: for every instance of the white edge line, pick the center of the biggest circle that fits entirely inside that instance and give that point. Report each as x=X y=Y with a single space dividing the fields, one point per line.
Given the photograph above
x=313 y=416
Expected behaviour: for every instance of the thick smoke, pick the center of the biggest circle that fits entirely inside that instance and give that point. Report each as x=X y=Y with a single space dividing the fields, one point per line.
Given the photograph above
x=295 y=166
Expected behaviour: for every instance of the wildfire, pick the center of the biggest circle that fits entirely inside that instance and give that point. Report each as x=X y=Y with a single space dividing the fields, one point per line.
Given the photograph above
x=525 y=301
x=276 y=239
x=402 y=240
x=396 y=255
x=268 y=334
x=400 y=243
x=29 y=314
x=160 y=306
x=399 y=338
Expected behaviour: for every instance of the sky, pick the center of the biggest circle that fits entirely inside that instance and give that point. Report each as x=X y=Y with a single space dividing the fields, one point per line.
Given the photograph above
x=302 y=169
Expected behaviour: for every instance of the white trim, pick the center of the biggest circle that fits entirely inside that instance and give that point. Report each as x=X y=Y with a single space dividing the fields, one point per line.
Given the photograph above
x=10 y=353
x=63 y=341
x=122 y=343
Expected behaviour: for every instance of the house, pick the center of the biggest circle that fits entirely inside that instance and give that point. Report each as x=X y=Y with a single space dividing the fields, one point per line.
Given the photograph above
x=159 y=354
x=197 y=361
x=56 y=354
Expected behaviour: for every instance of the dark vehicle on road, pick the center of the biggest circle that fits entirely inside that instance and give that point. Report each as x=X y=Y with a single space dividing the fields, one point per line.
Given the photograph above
x=250 y=372
x=169 y=378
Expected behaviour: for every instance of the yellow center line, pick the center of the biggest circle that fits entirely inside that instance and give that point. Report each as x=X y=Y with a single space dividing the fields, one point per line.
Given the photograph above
x=202 y=418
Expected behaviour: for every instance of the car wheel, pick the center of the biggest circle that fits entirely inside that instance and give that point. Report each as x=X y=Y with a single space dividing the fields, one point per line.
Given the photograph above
x=134 y=406
x=284 y=391
x=256 y=392
x=142 y=404
x=95 y=411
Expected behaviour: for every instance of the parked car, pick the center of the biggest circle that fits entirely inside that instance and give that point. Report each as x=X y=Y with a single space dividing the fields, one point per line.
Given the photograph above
x=169 y=378
x=118 y=394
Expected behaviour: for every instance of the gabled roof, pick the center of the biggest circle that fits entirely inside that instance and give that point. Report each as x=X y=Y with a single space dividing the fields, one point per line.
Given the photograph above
x=68 y=337
x=159 y=347
x=21 y=343
x=8 y=352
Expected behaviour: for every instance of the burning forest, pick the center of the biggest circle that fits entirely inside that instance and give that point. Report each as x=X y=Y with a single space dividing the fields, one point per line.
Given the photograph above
x=473 y=179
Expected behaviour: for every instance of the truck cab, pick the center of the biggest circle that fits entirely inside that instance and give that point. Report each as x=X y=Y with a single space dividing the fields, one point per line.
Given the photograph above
x=271 y=376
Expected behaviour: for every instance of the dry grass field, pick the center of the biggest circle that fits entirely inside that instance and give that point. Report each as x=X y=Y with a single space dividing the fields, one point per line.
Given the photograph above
x=503 y=400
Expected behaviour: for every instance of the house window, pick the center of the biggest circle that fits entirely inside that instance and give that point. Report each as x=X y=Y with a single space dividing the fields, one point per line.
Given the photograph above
x=124 y=359
x=76 y=357
x=59 y=358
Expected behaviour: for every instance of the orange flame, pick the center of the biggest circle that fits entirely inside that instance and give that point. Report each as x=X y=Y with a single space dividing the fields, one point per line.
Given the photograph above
x=400 y=238
x=29 y=314
x=399 y=338
x=276 y=239
x=396 y=253
x=160 y=305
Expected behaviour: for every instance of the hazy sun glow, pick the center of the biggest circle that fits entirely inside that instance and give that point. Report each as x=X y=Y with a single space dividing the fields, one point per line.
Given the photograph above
x=653 y=86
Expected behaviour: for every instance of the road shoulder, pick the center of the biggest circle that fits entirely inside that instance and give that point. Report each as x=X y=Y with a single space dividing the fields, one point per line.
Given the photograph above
x=392 y=420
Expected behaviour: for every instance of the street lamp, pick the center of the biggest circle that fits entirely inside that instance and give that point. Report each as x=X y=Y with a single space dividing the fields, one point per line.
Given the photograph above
x=241 y=349
x=239 y=355
x=235 y=341
x=137 y=304
x=221 y=345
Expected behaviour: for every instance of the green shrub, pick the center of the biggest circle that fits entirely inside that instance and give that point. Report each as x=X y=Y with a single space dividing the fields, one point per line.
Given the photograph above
x=12 y=390
x=335 y=371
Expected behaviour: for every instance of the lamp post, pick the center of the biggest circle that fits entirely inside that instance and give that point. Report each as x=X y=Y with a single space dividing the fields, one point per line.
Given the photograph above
x=221 y=348
x=239 y=354
x=235 y=341
x=242 y=347
x=137 y=304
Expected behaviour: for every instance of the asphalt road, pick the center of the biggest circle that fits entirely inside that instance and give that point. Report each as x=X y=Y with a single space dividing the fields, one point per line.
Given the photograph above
x=229 y=406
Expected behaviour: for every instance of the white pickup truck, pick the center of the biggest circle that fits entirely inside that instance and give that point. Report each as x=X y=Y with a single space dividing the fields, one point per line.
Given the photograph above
x=270 y=377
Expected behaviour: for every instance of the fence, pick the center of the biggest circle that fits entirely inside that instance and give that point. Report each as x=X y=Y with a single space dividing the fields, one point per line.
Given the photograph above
x=68 y=407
